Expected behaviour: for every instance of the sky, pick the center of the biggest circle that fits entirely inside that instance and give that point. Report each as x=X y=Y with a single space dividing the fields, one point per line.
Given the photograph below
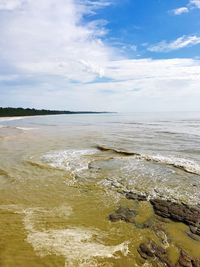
x=106 y=55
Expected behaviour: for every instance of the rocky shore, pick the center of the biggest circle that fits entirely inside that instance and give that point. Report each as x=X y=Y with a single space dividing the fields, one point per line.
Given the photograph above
x=179 y=212
x=164 y=209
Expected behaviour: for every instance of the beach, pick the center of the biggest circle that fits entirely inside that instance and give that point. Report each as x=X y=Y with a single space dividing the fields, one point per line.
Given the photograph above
x=100 y=190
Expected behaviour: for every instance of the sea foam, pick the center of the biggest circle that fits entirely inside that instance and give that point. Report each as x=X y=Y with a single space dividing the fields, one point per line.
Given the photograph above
x=70 y=160
x=186 y=165
x=78 y=246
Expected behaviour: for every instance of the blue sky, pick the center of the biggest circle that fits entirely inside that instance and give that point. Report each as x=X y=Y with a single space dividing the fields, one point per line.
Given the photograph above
x=140 y=23
x=130 y=55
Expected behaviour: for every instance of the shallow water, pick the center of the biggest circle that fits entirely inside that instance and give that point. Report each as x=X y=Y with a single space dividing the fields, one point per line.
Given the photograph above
x=57 y=189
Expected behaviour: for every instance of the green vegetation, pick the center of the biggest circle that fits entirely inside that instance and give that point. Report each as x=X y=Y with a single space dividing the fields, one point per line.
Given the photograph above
x=10 y=112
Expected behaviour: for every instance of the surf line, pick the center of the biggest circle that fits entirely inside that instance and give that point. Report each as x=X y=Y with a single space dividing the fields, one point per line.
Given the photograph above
x=182 y=164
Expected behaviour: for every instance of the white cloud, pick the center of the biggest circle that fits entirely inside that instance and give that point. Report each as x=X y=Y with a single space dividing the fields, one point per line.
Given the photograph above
x=181 y=42
x=10 y=4
x=129 y=85
x=61 y=62
x=192 y=4
x=180 y=10
x=50 y=37
x=196 y=3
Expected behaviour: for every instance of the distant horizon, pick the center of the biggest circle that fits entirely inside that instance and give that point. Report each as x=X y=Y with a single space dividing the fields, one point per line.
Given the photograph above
x=104 y=111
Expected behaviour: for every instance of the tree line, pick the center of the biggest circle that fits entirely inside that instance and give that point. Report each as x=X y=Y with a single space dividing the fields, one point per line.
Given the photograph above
x=9 y=112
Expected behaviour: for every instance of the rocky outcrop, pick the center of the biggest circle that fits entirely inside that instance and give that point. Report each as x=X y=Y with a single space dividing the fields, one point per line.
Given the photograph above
x=186 y=261
x=193 y=236
x=152 y=250
x=178 y=212
x=123 y=214
x=175 y=211
x=135 y=196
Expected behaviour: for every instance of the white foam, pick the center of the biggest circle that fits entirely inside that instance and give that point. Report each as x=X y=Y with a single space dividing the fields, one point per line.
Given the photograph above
x=2 y=119
x=32 y=215
x=26 y=128
x=78 y=246
x=181 y=163
x=70 y=160
x=185 y=164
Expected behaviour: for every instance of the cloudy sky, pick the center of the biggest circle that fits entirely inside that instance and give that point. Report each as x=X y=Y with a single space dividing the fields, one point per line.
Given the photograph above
x=114 y=55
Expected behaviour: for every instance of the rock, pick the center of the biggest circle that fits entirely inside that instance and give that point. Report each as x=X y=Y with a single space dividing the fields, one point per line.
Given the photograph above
x=193 y=236
x=152 y=250
x=145 y=251
x=186 y=261
x=195 y=230
x=167 y=209
x=134 y=196
x=123 y=214
x=178 y=212
x=163 y=220
x=148 y=224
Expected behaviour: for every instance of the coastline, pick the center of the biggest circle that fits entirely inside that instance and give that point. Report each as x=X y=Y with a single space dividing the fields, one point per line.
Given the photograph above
x=3 y=119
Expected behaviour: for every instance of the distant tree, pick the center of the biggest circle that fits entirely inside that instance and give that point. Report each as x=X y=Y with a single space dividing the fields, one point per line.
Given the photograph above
x=10 y=112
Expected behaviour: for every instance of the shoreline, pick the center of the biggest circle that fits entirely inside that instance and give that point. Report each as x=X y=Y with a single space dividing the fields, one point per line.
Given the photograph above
x=4 y=119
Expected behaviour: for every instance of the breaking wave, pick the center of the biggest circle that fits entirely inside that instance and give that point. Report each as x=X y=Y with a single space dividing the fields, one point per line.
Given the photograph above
x=118 y=151
x=180 y=163
x=186 y=165
x=71 y=160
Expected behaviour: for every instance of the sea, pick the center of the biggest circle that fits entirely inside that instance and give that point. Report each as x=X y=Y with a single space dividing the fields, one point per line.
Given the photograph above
x=62 y=175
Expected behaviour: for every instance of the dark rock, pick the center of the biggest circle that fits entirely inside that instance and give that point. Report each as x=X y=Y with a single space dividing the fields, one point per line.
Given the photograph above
x=152 y=250
x=178 y=212
x=186 y=261
x=195 y=230
x=123 y=214
x=135 y=196
x=193 y=236
x=164 y=220
x=145 y=251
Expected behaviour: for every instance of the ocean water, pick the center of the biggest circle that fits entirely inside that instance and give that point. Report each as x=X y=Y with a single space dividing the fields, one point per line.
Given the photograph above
x=57 y=188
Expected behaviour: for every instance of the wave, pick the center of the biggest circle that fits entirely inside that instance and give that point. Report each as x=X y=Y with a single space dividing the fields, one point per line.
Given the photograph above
x=186 y=165
x=3 y=119
x=180 y=163
x=26 y=128
x=4 y=173
x=118 y=151
x=71 y=160
x=77 y=161
x=38 y=164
